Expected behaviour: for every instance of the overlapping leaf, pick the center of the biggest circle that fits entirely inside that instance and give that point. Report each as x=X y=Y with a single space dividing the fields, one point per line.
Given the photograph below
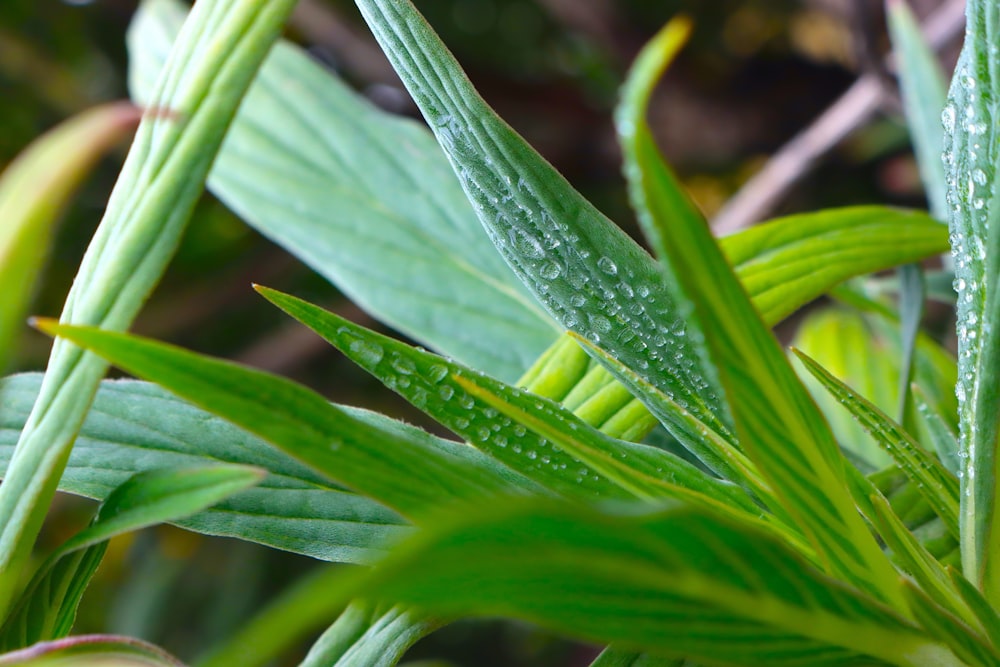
x=47 y=607
x=970 y=156
x=367 y=200
x=92 y=651
x=780 y=427
x=677 y=582
x=136 y=427
x=355 y=452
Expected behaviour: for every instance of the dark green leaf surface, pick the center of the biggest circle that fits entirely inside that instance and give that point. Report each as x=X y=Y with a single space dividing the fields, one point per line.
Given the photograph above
x=970 y=157
x=672 y=582
x=366 y=199
x=304 y=425
x=938 y=486
x=135 y=427
x=780 y=428
x=48 y=605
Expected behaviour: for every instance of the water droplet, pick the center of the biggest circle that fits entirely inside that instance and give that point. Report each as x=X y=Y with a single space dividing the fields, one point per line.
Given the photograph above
x=466 y=401
x=550 y=271
x=608 y=266
x=948 y=118
x=599 y=323
x=437 y=373
x=446 y=392
x=365 y=352
x=979 y=176
x=403 y=365
x=525 y=244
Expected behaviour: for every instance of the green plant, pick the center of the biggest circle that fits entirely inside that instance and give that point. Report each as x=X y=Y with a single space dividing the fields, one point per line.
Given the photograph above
x=779 y=538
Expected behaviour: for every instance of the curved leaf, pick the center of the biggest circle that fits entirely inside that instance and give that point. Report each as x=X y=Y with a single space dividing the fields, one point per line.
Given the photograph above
x=673 y=582
x=92 y=651
x=779 y=426
x=34 y=190
x=135 y=427
x=365 y=198
x=339 y=445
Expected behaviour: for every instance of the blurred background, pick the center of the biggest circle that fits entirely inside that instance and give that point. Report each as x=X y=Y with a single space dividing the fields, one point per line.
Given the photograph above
x=756 y=74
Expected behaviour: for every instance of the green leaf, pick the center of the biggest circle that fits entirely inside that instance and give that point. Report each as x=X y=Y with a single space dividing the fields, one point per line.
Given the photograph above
x=135 y=427
x=779 y=426
x=211 y=66
x=938 y=486
x=366 y=199
x=672 y=582
x=368 y=636
x=786 y=263
x=612 y=657
x=429 y=383
x=965 y=642
x=91 y=651
x=943 y=439
x=970 y=157
x=329 y=439
x=988 y=618
x=46 y=609
x=846 y=344
x=34 y=190
x=587 y=272
x=923 y=85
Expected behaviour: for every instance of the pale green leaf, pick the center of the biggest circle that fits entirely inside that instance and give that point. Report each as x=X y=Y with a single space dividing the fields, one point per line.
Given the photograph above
x=924 y=89
x=301 y=423
x=135 y=427
x=34 y=190
x=368 y=635
x=587 y=272
x=966 y=643
x=215 y=59
x=366 y=199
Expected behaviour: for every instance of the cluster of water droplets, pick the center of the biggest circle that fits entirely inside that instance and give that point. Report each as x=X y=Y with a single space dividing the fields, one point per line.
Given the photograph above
x=968 y=160
x=428 y=382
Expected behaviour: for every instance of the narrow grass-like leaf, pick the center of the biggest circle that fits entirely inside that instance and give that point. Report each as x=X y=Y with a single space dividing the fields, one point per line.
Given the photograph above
x=911 y=311
x=612 y=657
x=92 y=651
x=970 y=157
x=966 y=643
x=211 y=66
x=943 y=439
x=645 y=472
x=428 y=382
x=672 y=582
x=308 y=163
x=846 y=344
x=988 y=618
x=924 y=89
x=136 y=427
x=779 y=426
x=34 y=190
x=47 y=609
x=586 y=271
x=938 y=486
x=787 y=262
x=916 y=560
x=304 y=425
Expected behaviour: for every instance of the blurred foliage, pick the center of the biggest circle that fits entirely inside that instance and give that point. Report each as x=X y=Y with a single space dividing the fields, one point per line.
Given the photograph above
x=755 y=72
